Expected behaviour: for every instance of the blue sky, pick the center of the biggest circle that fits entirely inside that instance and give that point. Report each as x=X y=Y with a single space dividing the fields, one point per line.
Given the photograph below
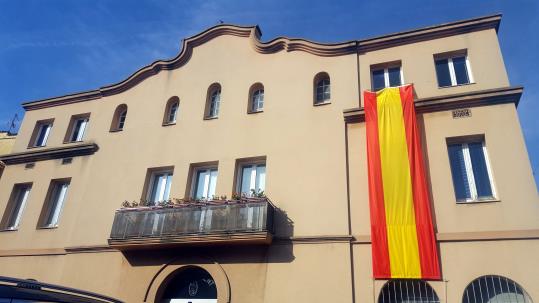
x=55 y=47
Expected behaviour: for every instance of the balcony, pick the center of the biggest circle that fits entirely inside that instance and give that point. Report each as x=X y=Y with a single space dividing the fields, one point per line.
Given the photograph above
x=248 y=221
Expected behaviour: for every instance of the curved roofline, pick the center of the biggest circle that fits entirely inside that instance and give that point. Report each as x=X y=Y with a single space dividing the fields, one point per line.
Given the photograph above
x=273 y=46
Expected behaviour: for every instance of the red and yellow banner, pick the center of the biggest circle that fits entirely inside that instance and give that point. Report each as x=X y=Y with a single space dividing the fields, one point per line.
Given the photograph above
x=403 y=243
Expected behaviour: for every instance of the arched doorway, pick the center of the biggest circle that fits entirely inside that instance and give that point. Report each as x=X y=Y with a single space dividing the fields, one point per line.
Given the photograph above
x=407 y=291
x=189 y=285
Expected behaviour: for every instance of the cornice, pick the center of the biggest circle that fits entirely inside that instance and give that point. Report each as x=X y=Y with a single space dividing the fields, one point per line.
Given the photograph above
x=270 y=47
x=453 y=101
x=34 y=155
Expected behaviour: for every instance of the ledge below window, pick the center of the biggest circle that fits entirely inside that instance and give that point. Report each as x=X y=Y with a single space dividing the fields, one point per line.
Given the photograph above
x=493 y=200
x=70 y=151
x=322 y=103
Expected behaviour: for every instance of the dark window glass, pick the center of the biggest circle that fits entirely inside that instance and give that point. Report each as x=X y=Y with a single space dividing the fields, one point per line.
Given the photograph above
x=121 y=119
x=214 y=103
x=378 y=81
x=458 y=171
x=394 y=76
x=442 y=72
x=323 y=90
x=480 y=172
x=461 y=73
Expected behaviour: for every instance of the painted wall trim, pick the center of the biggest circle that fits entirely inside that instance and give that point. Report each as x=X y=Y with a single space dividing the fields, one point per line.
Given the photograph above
x=34 y=155
x=448 y=102
x=273 y=46
x=501 y=235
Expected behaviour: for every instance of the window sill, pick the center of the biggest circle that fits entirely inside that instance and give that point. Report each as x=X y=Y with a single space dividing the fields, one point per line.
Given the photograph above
x=493 y=200
x=211 y=118
x=255 y=112
x=69 y=142
x=322 y=103
x=36 y=146
x=9 y=229
x=457 y=85
x=168 y=124
x=115 y=130
x=48 y=227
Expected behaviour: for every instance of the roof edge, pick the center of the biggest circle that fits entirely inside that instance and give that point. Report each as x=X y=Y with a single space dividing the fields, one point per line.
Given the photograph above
x=275 y=45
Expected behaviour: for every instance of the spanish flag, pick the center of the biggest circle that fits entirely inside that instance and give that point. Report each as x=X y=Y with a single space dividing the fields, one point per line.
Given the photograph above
x=403 y=243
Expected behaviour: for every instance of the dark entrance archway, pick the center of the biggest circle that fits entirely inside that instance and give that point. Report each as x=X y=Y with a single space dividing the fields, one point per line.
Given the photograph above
x=189 y=285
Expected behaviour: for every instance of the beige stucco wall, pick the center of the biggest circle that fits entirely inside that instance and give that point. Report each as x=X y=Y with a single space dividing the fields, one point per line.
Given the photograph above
x=6 y=142
x=305 y=147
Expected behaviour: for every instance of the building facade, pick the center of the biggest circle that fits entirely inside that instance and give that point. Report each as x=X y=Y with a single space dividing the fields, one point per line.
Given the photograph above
x=237 y=172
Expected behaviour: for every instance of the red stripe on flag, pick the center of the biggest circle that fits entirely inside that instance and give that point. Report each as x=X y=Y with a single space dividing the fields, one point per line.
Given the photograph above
x=380 y=249
x=428 y=253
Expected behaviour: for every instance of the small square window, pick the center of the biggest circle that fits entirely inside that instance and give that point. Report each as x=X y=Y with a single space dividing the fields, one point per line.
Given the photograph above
x=77 y=128
x=41 y=133
x=470 y=169
x=15 y=207
x=453 y=69
x=386 y=75
x=50 y=214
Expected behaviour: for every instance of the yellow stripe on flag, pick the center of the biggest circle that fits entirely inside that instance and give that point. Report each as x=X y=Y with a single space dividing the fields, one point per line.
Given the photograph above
x=397 y=184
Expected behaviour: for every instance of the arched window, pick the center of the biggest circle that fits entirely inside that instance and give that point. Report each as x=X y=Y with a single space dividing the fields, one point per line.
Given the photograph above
x=171 y=110
x=407 y=291
x=190 y=283
x=322 y=88
x=118 y=120
x=494 y=289
x=256 y=98
x=213 y=101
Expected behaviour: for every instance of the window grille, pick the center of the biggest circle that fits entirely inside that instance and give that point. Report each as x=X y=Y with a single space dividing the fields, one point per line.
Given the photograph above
x=407 y=291
x=494 y=289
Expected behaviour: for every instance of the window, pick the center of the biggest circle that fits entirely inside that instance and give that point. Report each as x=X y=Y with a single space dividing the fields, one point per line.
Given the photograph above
x=472 y=178
x=54 y=203
x=322 y=88
x=495 y=289
x=118 y=120
x=41 y=133
x=204 y=183
x=452 y=69
x=159 y=186
x=171 y=110
x=77 y=128
x=407 y=291
x=386 y=75
x=252 y=178
x=213 y=102
x=15 y=207
x=256 y=98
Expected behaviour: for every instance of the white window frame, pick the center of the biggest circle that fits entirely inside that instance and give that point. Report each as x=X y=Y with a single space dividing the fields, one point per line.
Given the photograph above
x=45 y=137
x=207 y=181
x=255 y=102
x=451 y=68
x=470 y=175
x=55 y=207
x=121 y=123
x=252 y=183
x=21 y=197
x=215 y=102
x=82 y=129
x=386 y=75
x=168 y=183
x=173 y=112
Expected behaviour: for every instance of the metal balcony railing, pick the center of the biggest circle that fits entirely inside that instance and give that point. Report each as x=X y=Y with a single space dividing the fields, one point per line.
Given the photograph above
x=192 y=220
